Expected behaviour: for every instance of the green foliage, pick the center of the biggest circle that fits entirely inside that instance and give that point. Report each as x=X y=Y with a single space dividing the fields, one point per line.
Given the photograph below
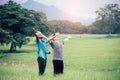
x=20 y=39
x=108 y=20
x=67 y=27
x=16 y=24
x=5 y=37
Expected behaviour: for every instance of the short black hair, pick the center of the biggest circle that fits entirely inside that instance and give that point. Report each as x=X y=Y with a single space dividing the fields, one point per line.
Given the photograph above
x=53 y=34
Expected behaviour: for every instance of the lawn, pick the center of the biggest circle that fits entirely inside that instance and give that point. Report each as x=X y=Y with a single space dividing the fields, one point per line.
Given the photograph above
x=86 y=57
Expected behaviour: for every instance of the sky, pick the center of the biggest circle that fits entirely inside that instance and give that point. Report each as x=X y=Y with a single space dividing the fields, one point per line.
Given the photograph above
x=78 y=8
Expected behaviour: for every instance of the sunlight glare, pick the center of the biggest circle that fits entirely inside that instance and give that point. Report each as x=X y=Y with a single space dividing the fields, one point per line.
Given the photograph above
x=74 y=8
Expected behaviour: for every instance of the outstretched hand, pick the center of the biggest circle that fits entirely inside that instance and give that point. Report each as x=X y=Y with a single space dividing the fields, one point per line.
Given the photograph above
x=57 y=33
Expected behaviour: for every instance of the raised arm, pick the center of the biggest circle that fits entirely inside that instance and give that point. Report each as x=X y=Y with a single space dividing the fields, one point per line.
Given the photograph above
x=34 y=32
x=38 y=34
x=51 y=38
x=66 y=39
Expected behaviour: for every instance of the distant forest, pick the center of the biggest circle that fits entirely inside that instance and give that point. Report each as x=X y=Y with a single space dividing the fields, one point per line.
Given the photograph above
x=107 y=22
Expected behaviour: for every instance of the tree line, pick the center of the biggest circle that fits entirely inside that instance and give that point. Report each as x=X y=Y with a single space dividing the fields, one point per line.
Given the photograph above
x=16 y=24
x=107 y=21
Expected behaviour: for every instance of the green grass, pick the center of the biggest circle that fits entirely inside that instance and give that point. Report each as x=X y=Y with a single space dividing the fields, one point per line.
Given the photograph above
x=86 y=57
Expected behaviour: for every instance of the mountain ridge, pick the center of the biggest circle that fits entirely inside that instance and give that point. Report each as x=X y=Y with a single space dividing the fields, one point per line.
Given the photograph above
x=52 y=12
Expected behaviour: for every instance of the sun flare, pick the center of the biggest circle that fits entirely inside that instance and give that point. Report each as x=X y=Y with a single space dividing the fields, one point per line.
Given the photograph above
x=74 y=8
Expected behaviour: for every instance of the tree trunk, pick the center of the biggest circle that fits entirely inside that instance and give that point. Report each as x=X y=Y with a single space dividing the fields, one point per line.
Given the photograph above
x=13 y=47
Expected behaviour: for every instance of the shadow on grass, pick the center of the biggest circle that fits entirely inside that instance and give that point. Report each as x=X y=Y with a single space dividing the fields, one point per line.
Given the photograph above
x=108 y=37
x=3 y=56
x=18 y=51
x=4 y=51
x=111 y=36
x=110 y=70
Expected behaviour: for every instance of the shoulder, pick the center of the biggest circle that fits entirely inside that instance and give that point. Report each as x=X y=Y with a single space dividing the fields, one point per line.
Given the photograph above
x=45 y=41
x=51 y=42
x=62 y=42
x=38 y=41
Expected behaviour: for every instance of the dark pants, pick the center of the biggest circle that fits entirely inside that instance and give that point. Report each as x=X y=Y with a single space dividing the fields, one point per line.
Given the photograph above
x=41 y=65
x=58 y=66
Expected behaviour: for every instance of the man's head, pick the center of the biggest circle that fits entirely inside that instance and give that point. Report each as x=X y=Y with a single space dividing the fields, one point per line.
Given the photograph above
x=37 y=33
x=56 y=38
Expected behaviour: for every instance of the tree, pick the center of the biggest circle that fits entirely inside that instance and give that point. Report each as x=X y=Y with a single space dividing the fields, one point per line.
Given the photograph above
x=67 y=27
x=16 y=24
x=108 y=20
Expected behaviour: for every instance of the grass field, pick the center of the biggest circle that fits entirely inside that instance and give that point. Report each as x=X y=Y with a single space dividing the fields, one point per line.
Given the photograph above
x=86 y=57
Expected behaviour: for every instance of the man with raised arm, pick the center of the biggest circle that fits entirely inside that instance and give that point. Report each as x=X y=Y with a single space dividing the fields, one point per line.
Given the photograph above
x=57 y=46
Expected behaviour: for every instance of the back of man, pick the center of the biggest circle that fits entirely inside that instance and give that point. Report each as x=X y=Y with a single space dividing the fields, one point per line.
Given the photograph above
x=58 y=50
x=57 y=57
x=42 y=58
x=41 y=44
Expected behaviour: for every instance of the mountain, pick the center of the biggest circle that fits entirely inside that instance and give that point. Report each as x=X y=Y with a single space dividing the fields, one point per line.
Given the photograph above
x=52 y=12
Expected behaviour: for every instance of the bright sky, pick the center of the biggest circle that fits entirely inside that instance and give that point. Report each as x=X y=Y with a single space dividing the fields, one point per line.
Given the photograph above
x=79 y=8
